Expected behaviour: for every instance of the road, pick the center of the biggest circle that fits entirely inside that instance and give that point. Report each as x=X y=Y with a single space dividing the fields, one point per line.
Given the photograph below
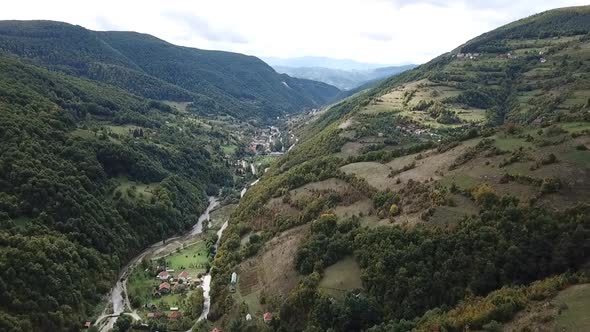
x=118 y=299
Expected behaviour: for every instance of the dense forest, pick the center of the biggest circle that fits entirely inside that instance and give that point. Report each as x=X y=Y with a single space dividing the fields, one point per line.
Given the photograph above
x=78 y=198
x=215 y=82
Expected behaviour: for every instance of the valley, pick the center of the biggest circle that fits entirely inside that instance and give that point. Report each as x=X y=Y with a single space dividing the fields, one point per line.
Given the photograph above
x=148 y=186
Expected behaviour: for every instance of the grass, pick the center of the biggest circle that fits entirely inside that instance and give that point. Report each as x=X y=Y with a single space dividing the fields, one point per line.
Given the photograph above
x=462 y=181
x=229 y=149
x=135 y=190
x=581 y=158
x=575 y=127
x=511 y=143
x=221 y=215
x=192 y=259
x=340 y=277
x=577 y=315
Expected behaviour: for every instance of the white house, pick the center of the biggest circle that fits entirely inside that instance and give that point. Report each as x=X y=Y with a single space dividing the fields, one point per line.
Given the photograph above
x=234 y=277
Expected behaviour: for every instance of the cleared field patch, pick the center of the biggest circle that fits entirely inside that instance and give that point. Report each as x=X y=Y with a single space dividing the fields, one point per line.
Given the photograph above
x=340 y=277
x=351 y=149
x=135 y=190
x=375 y=173
x=577 y=315
x=192 y=258
x=221 y=215
x=362 y=207
x=450 y=215
x=179 y=105
x=511 y=143
x=273 y=269
x=337 y=185
x=82 y=133
x=576 y=127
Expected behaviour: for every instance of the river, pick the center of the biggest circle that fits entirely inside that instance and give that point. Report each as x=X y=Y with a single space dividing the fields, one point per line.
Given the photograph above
x=118 y=299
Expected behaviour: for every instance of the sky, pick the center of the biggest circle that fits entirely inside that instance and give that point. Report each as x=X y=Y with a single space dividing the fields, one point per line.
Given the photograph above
x=370 y=31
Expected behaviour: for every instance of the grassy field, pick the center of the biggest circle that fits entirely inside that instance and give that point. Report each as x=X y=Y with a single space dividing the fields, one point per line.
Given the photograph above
x=577 y=315
x=340 y=277
x=135 y=190
x=192 y=258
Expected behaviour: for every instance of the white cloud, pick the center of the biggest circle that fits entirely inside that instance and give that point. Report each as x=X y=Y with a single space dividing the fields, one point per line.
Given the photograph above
x=378 y=31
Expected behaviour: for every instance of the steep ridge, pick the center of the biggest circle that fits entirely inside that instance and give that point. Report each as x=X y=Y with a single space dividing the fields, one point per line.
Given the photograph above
x=89 y=175
x=452 y=180
x=214 y=81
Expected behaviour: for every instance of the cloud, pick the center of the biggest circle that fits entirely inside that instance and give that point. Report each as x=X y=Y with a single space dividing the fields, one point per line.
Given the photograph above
x=377 y=36
x=375 y=31
x=202 y=27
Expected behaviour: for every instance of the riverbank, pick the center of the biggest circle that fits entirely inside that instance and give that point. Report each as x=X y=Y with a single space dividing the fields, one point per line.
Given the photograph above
x=118 y=299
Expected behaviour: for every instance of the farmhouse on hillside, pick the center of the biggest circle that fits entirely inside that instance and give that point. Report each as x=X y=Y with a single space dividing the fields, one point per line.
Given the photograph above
x=164 y=288
x=163 y=275
x=183 y=276
x=267 y=317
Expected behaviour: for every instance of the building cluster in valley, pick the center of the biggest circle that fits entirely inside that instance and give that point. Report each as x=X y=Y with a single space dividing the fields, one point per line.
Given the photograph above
x=267 y=141
x=168 y=284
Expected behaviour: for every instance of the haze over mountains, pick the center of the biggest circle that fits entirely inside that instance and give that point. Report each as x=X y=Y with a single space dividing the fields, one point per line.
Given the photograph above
x=343 y=79
x=448 y=197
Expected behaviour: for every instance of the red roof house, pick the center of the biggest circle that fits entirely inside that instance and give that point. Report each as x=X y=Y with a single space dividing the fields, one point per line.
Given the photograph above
x=215 y=330
x=154 y=315
x=267 y=317
x=175 y=315
x=164 y=287
x=183 y=275
x=87 y=325
x=163 y=275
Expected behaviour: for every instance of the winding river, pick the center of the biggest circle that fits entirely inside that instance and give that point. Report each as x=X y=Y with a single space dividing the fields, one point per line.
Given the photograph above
x=118 y=299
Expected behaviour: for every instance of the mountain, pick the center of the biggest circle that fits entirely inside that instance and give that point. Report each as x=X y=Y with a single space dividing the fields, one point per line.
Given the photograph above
x=343 y=79
x=90 y=175
x=448 y=197
x=213 y=81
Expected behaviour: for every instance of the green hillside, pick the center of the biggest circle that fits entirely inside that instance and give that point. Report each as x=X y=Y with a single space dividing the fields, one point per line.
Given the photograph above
x=214 y=81
x=89 y=175
x=445 y=183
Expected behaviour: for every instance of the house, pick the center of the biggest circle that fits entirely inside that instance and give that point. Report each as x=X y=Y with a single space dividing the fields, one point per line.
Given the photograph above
x=267 y=317
x=215 y=330
x=173 y=308
x=87 y=325
x=543 y=60
x=164 y=288
x=154 y=315
x=234 y=278
x=183 y=276
x=163 y=275
x=151 y=307
x=196 y=281
x=248 y=317
x=174 y=315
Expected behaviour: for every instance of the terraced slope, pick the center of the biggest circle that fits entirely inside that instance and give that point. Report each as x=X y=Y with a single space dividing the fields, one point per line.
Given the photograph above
x=464 y=175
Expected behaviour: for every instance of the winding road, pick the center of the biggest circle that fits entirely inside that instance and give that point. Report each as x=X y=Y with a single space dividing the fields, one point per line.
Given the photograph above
x=118 y=300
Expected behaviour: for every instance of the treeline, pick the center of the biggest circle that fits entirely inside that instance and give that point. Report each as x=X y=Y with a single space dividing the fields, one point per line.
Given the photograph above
x=407 y=272
x=214 y=82
x=65 y=227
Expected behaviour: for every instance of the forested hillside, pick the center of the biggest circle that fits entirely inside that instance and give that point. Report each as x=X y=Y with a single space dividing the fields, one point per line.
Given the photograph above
x=214 y=82
x=89 y=175
x=448 y=197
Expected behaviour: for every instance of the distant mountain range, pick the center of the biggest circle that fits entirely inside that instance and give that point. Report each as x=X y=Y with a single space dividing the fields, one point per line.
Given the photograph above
x=343 y=79
x=324 y=62
x=215 y=82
